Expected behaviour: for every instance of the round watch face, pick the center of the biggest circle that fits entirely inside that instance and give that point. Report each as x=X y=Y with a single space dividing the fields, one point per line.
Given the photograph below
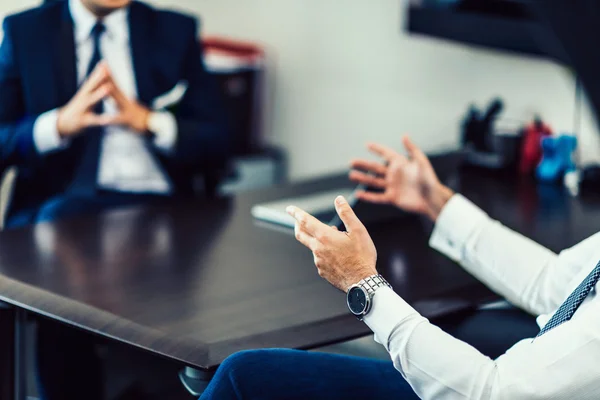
x=357 y=300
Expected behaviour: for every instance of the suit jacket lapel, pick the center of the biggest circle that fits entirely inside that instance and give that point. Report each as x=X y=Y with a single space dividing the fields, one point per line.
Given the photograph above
x=140 y=37
x=65 y=62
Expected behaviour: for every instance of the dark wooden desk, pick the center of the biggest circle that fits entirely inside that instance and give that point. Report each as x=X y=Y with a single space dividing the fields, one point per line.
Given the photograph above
x=197 y=281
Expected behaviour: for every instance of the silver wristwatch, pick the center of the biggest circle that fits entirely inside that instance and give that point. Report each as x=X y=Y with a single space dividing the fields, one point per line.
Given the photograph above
x=360 y=296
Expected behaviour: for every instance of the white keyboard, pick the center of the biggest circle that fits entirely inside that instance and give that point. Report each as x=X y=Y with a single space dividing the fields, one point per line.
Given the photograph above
x=314 y=204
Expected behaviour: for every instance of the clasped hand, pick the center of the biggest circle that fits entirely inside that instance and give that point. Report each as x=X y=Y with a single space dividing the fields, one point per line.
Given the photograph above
x=78 y=114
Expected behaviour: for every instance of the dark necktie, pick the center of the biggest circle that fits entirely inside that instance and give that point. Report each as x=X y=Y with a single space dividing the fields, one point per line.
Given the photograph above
x=567 y=309
x=86 y=174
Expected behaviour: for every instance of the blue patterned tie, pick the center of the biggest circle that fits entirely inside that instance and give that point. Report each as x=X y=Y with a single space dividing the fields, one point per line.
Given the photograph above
x=84 y=181
x=572 y=303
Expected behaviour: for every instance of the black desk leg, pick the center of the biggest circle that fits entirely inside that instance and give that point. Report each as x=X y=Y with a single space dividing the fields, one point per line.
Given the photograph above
x=20 y=357
x=13 y=372
x=7 y=353
x=195 y=380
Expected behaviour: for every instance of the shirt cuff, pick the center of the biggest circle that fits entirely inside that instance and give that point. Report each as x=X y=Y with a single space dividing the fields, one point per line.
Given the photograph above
x=456 y=223
x=164 y=127
x=45 y=133
x=387 y=312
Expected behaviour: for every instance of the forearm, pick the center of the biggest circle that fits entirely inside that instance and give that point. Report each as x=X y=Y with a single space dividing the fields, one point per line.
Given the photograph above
x=436 y=365
x=510 y=264
x=439 y=366
x=16 y=142
x=46 y=137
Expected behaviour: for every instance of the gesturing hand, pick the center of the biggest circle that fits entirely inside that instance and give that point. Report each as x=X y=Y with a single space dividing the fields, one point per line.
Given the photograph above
x=409 y=183
x=78 y=113
x=342 y=258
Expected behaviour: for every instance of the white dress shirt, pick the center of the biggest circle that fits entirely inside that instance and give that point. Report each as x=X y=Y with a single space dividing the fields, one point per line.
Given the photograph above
x=126 y=163
x=564 y=363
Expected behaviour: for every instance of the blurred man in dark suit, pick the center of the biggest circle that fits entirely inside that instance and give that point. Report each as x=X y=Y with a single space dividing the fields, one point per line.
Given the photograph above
x=103 y=103
x=85 y=89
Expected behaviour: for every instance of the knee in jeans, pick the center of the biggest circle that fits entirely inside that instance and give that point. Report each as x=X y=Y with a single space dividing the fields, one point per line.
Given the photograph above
x=247 y=363
x=243 y=359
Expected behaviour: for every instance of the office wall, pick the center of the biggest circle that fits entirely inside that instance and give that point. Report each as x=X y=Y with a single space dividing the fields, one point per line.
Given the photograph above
x=344 y=72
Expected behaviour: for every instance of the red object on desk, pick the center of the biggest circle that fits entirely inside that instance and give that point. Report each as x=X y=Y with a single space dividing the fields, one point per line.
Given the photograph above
x=531 y=150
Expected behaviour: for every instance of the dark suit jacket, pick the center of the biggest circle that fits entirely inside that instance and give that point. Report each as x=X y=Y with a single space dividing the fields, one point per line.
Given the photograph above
x=38 y=73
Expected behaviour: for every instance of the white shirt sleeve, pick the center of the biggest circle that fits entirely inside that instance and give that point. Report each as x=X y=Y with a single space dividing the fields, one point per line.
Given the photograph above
x=562 y=364
x=45 y=133
x=164 y=127
x=524 y=272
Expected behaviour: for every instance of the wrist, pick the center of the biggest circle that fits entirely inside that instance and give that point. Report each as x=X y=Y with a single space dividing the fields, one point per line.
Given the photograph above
x=60 y=128
x=144 y=117
x=359 y=297
x=359 y=276
x=145 y=120
x=437 y=200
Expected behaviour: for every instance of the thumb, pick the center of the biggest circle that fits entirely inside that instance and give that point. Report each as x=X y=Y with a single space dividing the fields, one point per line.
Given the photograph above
x=347 y=215
x=412 y=149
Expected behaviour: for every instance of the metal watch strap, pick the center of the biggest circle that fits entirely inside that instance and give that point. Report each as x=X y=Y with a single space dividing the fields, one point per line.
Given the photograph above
x=372 y=283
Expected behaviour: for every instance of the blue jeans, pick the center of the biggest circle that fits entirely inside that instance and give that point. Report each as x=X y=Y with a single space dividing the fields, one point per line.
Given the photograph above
x=299 y=375
x=291 y=374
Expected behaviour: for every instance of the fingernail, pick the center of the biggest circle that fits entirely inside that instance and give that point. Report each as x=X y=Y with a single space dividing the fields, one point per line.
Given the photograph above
x=340 y=200
x=290 y=210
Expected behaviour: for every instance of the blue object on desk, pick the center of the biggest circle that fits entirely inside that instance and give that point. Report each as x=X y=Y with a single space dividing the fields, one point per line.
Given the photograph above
x=557 y=157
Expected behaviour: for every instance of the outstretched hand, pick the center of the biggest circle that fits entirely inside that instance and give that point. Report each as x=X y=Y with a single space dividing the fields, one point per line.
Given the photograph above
x=408 y=182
